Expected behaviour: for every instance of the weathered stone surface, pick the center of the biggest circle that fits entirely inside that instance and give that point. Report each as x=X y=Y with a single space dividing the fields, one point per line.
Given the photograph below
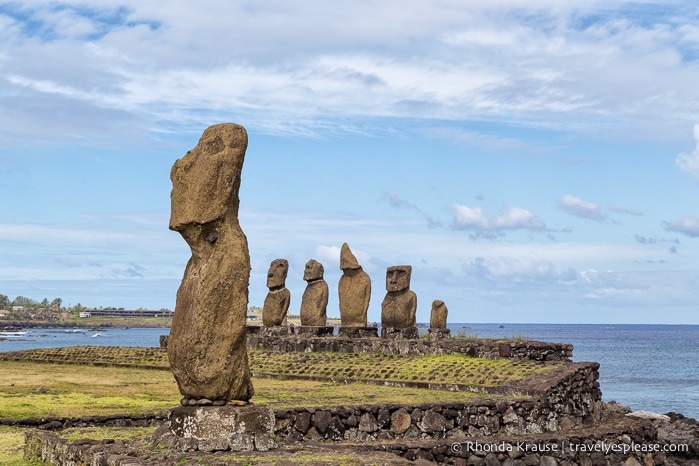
x=358 y=332
x=400 y=421
x=237 y=428
x=277 y=301
x=393 y=333
x=438 y=316
x=400 y=304
x=314 y=301
x=206 y=346
x=438 y=333
x=354 y=290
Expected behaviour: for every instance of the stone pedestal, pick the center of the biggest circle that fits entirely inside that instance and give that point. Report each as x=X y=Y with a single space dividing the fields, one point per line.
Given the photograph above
x=218 y=428
x=276 y=331
x=438 y=333
x=394 y=333
x=308 y=331
x=358 y=332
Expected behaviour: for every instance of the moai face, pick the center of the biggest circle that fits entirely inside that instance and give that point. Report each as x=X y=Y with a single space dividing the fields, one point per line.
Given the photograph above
x=276 y=276
x=398 y=277
x=314 y=271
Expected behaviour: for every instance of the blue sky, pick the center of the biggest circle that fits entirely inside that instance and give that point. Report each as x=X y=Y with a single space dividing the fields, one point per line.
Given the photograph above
x=533 y=161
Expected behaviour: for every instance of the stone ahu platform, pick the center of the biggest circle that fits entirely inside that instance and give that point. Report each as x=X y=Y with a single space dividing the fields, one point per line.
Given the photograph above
x=399 y=341
x=218 y=428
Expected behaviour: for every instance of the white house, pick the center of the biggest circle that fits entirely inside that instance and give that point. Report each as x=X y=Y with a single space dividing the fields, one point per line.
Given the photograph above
x=84 y=314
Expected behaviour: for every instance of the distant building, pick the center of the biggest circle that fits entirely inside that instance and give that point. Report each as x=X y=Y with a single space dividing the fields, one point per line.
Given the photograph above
x=84 y=315
x=17 y=308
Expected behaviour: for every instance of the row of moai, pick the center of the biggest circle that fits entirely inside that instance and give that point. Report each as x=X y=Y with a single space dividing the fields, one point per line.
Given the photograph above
x=398 y=308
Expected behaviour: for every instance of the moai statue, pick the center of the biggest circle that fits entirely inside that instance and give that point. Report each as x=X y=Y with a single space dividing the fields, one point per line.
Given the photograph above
x=315 y=299
x=206 y=346
x=438 y=321
x=438 y=317
x=277 y=300
x=354 y=290
x=399 y=306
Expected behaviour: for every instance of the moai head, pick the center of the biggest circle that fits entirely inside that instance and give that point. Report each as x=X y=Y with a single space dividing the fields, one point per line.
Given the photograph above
x=398 y=277
x=347 y=259
x=276 y=277
x=314 y=271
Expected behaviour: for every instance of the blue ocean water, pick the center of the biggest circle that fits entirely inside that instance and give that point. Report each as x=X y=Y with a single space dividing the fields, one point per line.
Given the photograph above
x=647 y=367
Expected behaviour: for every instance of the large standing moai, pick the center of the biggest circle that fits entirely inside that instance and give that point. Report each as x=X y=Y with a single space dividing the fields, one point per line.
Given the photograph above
x=315 y=298
x=277 y=301
x=400 y=304
x=206 y=346
x=354 y=290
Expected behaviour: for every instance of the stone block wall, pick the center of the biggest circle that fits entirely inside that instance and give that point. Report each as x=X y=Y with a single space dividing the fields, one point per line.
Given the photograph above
x=567 y=397
x=490 y=349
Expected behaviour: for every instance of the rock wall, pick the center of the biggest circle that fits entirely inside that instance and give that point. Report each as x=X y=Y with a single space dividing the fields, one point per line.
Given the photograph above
x=490 y=349
x=562 y=399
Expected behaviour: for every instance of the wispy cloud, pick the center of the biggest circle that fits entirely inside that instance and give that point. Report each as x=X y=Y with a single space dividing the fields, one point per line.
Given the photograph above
x=686 y=225
x=512 y=218
x=580 y=208
x=624 y=210
x=690 y=162
x=395 y=201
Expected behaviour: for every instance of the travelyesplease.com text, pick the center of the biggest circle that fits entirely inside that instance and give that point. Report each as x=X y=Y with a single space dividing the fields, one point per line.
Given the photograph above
x=564 y=446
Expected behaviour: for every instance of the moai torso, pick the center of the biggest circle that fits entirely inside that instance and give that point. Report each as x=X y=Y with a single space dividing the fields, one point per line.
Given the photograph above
x=315 y=298
x=400 y=304
x=354 y=290
x=277 y=301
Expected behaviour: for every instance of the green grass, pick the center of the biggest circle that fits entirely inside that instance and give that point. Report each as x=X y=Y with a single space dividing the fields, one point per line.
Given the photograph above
x=120 y=385
x=438 y=369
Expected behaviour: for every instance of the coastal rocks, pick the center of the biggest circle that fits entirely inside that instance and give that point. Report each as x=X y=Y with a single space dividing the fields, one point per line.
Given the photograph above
x=400 y=304
x=315 y=298
x=206 y=346
x=354 y=290
x=277 y=301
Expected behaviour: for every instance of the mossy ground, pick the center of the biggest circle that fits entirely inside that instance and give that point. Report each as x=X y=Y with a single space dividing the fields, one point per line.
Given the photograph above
x=441 y=369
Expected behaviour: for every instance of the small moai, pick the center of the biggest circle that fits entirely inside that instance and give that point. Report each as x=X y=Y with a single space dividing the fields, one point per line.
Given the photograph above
x=277 y=301
x=354 y=290
x=314 y=301
x=400 y=304
x=438 y=321
x=207 y=342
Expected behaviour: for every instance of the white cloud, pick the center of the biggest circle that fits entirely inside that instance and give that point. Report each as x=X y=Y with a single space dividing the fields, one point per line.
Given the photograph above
x=513 y=218
x=580 y=208
x=686 y=225
x=690 y=162
x=184 y=64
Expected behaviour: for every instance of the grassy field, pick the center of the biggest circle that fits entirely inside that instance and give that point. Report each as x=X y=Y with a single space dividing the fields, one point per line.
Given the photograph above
x=46 y=388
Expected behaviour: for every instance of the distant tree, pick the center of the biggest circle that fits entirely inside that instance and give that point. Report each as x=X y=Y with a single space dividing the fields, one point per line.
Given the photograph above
x=56 y=304
x=4 y=302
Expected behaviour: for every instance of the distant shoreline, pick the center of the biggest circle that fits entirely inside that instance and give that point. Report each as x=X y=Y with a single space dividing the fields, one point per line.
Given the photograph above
x=125 y=323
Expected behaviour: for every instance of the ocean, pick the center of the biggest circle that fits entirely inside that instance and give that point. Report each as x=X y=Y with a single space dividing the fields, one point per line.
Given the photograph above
x=647 y=367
